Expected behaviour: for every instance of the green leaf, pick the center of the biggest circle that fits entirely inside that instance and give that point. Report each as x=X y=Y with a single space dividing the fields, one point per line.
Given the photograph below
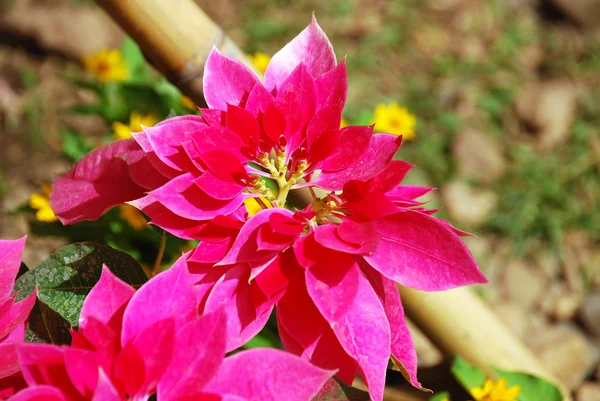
x=260 y=341
x=467 y=375
x=74 y=145
x=441 y=396
x=533 y=388
x=136 y=63
x=364 y=117
x=334 y=390
x=47 y=326
x=67 y=276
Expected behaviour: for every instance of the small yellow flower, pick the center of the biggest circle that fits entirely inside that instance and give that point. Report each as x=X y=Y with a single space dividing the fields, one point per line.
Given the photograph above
x=188 y=103
x=133 y=217
x=253 y=206
x=136 y=120
x=343 y=124
x=496 y=391
x=396 y=120
x=107 y=65
x=260 y=60
x=41 y=203
x=445 y=399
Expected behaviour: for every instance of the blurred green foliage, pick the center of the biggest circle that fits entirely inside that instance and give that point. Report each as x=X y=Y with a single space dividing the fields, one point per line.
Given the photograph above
x=541 y=195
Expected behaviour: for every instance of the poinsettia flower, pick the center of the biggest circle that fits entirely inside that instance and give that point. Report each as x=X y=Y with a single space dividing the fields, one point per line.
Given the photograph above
x=13 y=316
x=329 y=266
x=133 y=344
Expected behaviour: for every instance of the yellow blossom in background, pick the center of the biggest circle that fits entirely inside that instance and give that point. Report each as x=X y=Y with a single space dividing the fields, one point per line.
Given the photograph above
x=188 y=103
x=41 y=203
x=260 y=60
x=344 y=123
x=133 y=217
x=496 y=391
x=107 y=65
x=253 y=206
x=136 y=120
x=396 y=120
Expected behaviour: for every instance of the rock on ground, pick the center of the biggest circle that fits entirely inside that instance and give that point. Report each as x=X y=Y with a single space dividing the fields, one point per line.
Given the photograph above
x=479 y=156
x=468 y=205
x=547 y=110
x=590 y=314
x=566 y=352
x=589 y=391
x=523 y=284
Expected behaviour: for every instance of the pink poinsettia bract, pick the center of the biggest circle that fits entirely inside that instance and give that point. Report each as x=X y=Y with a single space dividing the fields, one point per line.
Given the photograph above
x=134 y=344
x=13 y=316
x=328 y=260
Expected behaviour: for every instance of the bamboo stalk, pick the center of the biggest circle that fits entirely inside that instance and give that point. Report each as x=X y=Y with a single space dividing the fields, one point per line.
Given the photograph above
x=459 y=323
x=176 y=36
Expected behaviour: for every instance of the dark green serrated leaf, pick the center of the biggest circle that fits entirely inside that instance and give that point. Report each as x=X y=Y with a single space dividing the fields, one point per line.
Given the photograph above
x=533 y=388
x=66 y=277
x=47 y=326
x=467 y=375
x=334 y=390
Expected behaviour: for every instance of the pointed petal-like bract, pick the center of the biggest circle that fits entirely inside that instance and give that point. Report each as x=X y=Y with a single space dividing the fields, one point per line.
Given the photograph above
x=308 y=333
x=364 y=333
x=268 y=375
x=182 y=196
x=39 y=393
x=199 y=351
x=402 y=346
x=170 y=295
x=234 y=295
x=16 y=315
x=311 y=47
x=226 y=81
x=10 y=261
x=99 y=181
x=107 y=297
x=105 y=389
x=332 y=87
x=9 y=360
x=166 y=139
x=333 y=283
x=43 y=364
x=423 y=252
x=245 y=249
x=372 y=162
x=82 y=367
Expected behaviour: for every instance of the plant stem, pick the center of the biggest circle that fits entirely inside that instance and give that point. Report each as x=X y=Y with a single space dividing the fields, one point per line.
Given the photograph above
x=159 y=255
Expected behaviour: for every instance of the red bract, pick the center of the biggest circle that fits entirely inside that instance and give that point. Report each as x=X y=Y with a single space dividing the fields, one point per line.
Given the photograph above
x=13 y=316
x=331 y=267
x=131 y=345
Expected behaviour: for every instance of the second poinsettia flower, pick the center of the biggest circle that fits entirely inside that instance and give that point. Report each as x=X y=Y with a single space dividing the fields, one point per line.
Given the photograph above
x=134 y=344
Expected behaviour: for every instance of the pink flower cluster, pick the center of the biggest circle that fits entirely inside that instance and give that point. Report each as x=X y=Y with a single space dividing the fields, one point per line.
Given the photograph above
x=129 y=346
x=328 y=266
